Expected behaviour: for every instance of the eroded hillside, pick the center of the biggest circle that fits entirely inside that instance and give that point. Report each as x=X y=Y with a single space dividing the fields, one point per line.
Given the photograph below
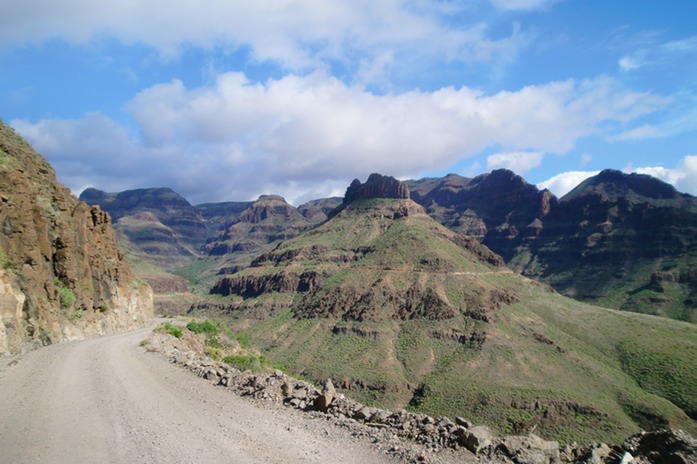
x=62 y=275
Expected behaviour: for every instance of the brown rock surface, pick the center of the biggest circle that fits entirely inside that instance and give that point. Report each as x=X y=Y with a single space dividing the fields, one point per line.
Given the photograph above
x=60 y=255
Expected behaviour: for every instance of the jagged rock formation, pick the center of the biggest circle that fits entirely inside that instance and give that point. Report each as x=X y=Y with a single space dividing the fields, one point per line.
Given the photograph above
x=623 y=240
x=62 y=276
x=377 y=186
x=500 y=208
x=618 y=240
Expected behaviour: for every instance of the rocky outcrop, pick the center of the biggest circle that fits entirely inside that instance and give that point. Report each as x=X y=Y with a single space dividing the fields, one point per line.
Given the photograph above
x=60 y=261
x=377 y=186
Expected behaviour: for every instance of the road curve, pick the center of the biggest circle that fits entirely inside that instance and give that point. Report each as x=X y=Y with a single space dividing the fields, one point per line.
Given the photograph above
x=106 y=400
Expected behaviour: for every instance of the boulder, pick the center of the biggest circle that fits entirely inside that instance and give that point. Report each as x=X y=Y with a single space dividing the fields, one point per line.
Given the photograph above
x=326 y=396
x=477 y=438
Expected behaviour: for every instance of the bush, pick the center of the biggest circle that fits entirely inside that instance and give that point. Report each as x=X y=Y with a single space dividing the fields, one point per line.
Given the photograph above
x=66 y=295
x=173 y=330
x=216 y=354
x=207 y=327
x=5 y=262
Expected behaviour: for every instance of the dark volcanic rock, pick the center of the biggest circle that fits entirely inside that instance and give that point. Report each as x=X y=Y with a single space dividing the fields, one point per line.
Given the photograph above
x=626 y=240
x=377 y=186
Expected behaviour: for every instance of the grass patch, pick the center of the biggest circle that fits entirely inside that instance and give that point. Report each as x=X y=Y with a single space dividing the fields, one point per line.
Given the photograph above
x=249 y=362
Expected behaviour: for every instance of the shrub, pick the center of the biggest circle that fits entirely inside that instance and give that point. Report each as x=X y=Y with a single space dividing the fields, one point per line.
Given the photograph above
x=249 y=362
x=171 y=329
x=216 y=354
x=5 y=262
x=66 y=295
x=208 y=327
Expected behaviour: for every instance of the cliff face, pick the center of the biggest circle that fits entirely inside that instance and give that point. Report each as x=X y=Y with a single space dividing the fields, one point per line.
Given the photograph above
x=62 y=275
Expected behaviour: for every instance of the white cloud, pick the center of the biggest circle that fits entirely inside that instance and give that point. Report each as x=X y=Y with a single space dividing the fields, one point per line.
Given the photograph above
x=563 y=183
x=300 y=34
x=683 y=177
x=638 y=133
x=586 y=158
x=518 y=162
x=236 y=139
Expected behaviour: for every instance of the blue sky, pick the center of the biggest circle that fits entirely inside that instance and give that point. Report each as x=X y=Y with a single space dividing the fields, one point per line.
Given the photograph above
x=225 y=100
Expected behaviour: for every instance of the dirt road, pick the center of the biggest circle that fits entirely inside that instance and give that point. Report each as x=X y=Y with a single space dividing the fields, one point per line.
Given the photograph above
x=106 y=400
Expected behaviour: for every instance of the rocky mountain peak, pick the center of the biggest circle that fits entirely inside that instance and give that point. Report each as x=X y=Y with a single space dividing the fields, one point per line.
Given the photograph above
x=611 y=185
x=377 y=186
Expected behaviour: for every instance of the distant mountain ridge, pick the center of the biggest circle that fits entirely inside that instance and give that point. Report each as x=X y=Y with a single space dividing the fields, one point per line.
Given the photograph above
x=625 y=241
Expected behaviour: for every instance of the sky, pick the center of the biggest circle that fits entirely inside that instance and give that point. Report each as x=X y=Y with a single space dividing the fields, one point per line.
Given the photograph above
x=225 y=100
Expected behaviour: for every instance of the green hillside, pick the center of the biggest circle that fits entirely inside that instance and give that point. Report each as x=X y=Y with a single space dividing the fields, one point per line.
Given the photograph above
x=401 y=312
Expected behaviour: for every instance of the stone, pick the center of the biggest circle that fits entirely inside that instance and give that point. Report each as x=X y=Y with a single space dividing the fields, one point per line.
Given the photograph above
x=530 y=450
x=463 y=422
x=325 y=398
x=377 y=186
x=477 y=439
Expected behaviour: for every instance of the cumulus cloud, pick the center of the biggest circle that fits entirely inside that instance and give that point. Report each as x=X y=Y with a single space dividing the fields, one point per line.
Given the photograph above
x=236 y=139
x=301 y=34
x=518 y=162
x=563 y=183
x=683 y=177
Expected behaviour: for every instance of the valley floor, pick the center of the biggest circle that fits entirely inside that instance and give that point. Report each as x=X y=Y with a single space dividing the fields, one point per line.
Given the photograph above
x=107 y=400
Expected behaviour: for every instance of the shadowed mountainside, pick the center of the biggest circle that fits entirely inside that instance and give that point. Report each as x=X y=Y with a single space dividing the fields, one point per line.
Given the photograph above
x=625 y=241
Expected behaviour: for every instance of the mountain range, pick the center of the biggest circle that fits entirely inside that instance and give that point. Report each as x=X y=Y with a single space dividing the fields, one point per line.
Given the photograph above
x=624 y=241
x=402 y=311
x=374 y=292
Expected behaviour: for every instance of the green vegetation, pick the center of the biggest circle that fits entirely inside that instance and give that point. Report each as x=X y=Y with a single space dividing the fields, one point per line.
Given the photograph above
x=207 y=327
x=668 y=374
x=66 y=295
x=249 y=362
x=5 y=262
x=174 y=330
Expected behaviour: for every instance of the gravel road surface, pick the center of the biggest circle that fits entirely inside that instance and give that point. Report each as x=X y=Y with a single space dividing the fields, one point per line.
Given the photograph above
x=106 y=400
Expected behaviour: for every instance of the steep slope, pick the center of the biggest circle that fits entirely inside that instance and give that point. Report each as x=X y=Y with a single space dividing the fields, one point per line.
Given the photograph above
x=401 y=311
x=62 y=275
x=626 y=241
x=500 y=209
x=617 y=240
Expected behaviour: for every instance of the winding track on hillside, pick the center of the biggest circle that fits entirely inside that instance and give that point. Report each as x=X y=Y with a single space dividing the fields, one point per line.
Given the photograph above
x=107 y=400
